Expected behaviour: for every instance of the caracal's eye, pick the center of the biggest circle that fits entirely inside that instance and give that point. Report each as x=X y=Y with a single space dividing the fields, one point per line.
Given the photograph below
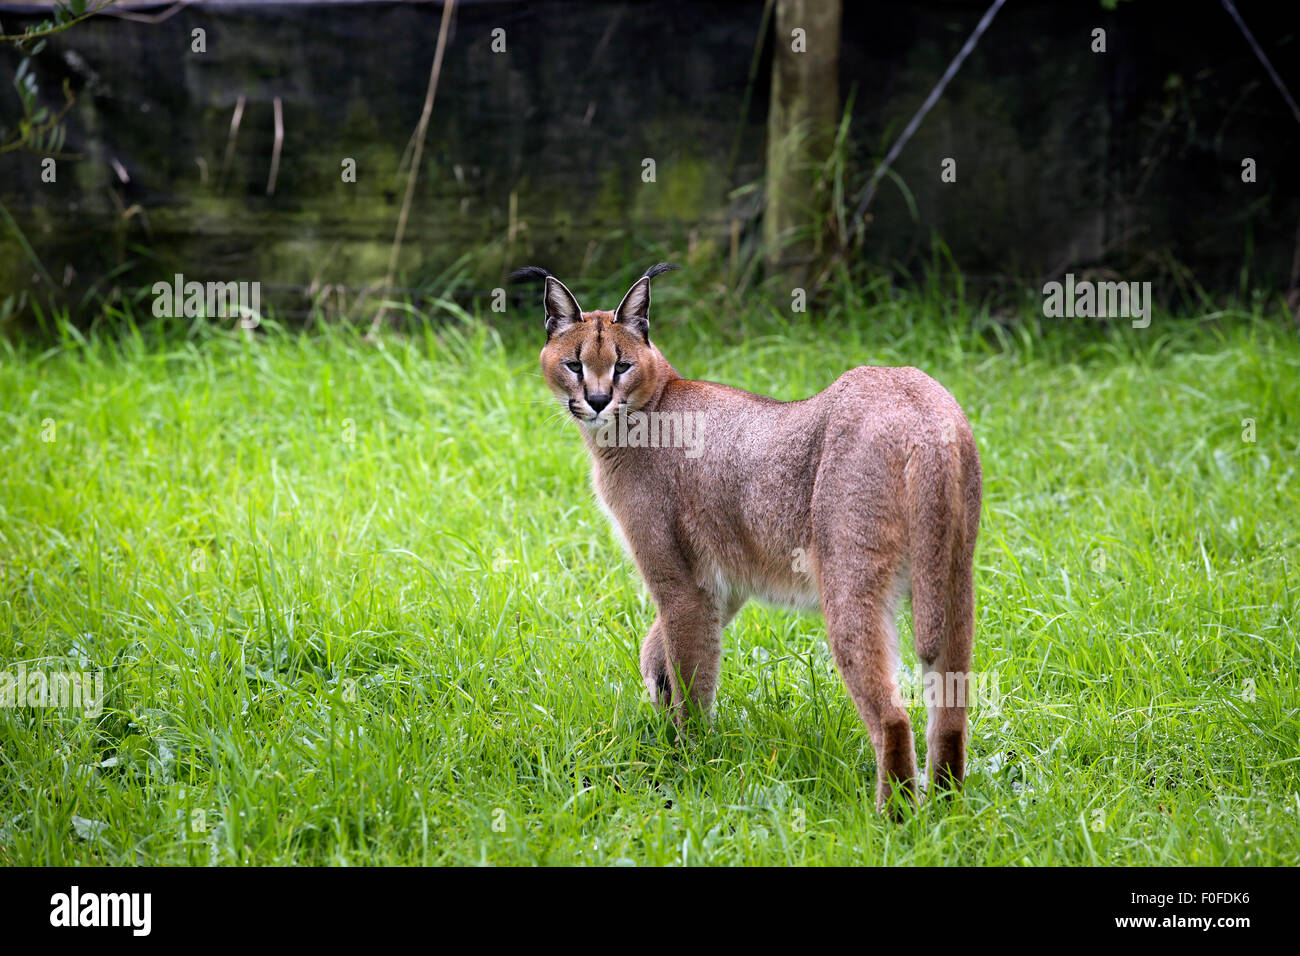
x=621 y=367
x=574 y=367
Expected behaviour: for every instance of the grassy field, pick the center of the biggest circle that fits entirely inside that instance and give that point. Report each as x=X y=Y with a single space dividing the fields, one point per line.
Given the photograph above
x=356 y=604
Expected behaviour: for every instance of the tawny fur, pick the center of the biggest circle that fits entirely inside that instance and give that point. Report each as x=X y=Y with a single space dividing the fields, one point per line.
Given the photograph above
x=844 y=499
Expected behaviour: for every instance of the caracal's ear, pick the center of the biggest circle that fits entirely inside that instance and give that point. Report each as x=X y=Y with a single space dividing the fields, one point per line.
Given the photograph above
x=634 y=310
x=561 y=307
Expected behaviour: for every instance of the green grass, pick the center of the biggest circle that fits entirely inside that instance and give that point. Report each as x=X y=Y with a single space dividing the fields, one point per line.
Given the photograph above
x=358 y=605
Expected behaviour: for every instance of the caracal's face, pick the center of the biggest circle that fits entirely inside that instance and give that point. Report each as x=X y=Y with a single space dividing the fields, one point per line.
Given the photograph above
x=598 y=367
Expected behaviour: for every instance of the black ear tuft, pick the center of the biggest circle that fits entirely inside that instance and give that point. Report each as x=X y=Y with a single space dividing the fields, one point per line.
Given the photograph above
x=528 y=274
x=659 y=269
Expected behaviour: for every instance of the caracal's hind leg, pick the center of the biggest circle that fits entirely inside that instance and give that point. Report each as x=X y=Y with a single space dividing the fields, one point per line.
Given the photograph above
x=860 y=601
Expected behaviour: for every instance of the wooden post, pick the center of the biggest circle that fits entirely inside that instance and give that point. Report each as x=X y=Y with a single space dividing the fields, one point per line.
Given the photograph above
x=801 y=123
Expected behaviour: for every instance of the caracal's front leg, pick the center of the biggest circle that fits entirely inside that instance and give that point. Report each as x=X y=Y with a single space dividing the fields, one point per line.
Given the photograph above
x=696 y=655
x=654 y=666
x=682 y=653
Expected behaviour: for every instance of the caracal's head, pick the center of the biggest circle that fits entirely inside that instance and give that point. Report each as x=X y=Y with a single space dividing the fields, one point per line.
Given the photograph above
x=599 y=363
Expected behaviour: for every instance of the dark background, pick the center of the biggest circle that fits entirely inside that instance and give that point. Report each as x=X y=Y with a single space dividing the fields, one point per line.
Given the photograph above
x=1128 y=161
